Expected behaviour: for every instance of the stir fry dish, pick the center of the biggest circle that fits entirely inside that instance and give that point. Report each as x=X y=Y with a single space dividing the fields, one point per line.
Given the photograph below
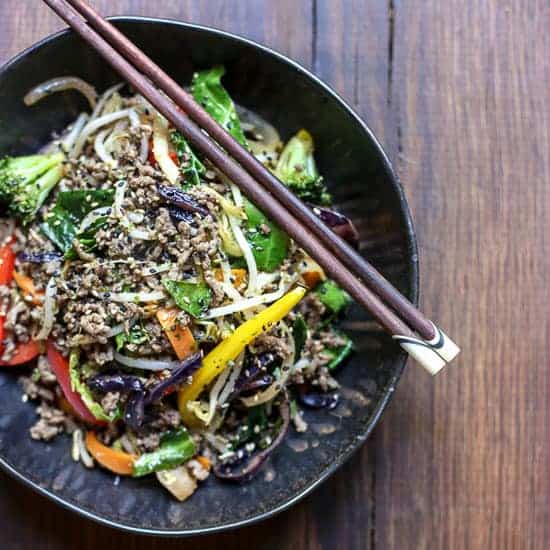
x=151 y=310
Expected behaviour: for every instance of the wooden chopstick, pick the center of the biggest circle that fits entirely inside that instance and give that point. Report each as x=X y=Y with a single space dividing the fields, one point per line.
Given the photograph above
x=290 y=213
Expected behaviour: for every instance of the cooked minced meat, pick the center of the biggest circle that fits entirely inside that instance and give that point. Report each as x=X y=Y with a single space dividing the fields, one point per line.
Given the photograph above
x=142 y=261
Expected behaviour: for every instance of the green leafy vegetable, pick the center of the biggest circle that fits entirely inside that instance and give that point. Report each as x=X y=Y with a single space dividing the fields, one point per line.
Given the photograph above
x=190 y=165
x=332 y=296
x=209 y=92
x=176 y=447
x=62 y=222
x=194 y=298
x=339 y=353
x=25 y=182
x=297 y=170
x=299 y=332
x=85 y=393
x=269 y=243
x=251 y=432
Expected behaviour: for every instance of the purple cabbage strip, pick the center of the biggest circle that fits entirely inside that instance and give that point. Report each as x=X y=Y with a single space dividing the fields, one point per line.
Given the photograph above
x=340 y=224
x=40 y=257
x=122 y=383
x=177 y=377
x=317 y=400
x=178 y=214
x=244 y=470
x=252 y=370
x=135 y=410
x=177 y=197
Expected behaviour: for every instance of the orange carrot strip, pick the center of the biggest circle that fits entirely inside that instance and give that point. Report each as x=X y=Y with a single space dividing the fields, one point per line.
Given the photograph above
x=26 y=285
x=238 y=275
x=204 y=462
x=181 y=338
x=118 y=462
x=312 y=278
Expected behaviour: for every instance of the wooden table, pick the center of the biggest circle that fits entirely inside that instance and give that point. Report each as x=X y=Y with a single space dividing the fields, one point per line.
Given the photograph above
x=458 y=91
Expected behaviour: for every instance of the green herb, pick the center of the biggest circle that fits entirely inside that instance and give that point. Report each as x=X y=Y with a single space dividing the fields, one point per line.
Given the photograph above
x=62 y=223
x=137 y=335
x=85 y=393
x=332 y=296
x=299 y=332
x=176 y=447
x=194 y=298
x=296 y=168
x=339 y=353
x=190 y=165
x=270 y=248
x=209 y=92
x=251 y=432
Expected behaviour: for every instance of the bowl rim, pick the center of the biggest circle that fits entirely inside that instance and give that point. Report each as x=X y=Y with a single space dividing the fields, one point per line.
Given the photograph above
x=401 y=361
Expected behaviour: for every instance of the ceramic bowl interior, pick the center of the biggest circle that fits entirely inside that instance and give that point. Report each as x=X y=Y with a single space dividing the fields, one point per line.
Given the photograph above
x=364 y=186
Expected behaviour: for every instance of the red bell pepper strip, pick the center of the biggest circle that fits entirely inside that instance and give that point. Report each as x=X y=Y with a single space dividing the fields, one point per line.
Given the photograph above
x=60 y=367
x=7 y=263
x=24 y=352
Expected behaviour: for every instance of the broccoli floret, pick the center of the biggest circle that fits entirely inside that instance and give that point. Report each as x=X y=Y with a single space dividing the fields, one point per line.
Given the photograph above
x=25 y=182
x=297 y=170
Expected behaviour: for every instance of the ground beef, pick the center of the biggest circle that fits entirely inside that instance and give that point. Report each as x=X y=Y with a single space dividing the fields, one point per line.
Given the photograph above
x=110 y=402
x=52 y=422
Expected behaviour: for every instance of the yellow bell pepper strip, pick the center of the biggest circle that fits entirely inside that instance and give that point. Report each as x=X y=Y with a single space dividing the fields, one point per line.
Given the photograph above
x=26 y=285
x=118 y=462
x=181 y=338
x=230 y=348
x=238 y=275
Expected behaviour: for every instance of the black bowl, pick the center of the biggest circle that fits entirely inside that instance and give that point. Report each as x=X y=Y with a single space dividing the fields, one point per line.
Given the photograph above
x=363 y=183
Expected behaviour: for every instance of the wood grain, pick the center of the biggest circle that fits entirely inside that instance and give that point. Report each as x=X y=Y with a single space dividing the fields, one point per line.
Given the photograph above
x=458 y=92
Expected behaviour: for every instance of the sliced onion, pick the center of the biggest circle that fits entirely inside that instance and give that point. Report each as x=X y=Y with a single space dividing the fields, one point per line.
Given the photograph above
x=124 y=297
x=94 y=125
x=162 y=152
x=145 y=364
x=227 y=285
x=113 y=331
x=60 y=84
x=136 y=217
x=70 y=139
x=92 y=216
x=141 y=235
x=107 y=94
x=144 y=149
x=121 y=186
x=248 y=256
x=49 y=310
x=101 y=151
x=268 y=137
x=229 y=387
x=214 y=394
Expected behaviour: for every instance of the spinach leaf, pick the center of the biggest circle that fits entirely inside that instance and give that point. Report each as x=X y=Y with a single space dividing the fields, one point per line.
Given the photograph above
x=190 y=165
x=332 y=296
x=299 y=332
x=86 y=238
x=194 y=298
x=296 y=168
x=209 y=92
x=339 y=353
x=269 y=243
x=86 y=394
x=71 y=207
x=137 y=335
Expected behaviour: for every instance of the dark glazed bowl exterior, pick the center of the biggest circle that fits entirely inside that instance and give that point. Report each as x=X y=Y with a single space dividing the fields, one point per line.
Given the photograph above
x=363 y=184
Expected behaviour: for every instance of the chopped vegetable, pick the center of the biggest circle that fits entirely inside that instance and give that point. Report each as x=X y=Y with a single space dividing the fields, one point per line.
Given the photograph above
x=340 y=224
x=60 y=367
x=178 y=481
x=209 y=92
x=194 y=298
x=340 y=353
x=315 y=399
x=238 y=276
x=136 y=335
x=7 y=262
x=25 y=182
x=24 y=352
x=230 y=348
x=27 y=287
x=299 y=333
x=297 y=170
x=179 y=198
x=161 y=150
x=332 y=296
x=176 y=447
x=123 y=383
x=180 y=337
x=190 y=166
x=269 y=243
x=82 y=389
x=63 y=221
x=119 y=462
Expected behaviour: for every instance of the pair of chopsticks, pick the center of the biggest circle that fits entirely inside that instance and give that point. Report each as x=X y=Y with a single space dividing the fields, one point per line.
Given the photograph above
x=415 y=333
